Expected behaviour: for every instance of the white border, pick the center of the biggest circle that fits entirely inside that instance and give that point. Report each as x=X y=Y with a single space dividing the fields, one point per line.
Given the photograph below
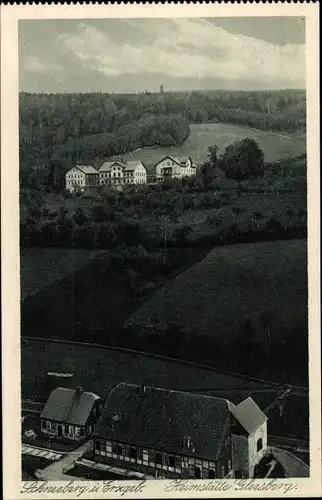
x=10 y=231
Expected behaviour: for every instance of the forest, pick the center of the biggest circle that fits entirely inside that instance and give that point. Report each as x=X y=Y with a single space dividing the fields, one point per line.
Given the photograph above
x=57 y=130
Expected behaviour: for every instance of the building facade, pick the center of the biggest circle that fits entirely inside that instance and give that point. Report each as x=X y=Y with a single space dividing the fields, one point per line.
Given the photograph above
x=70 y=414
x=81 y=178
x=173 y=434
x=122 y=173
x=174 y=167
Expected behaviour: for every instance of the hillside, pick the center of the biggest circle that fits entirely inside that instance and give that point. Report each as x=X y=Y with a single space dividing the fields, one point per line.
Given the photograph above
x=274 y=145
x=232 y=285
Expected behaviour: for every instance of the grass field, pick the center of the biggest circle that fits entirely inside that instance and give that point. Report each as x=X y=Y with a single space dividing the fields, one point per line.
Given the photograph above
x=274 y=145
x=268 y=205
x=40 y=267
x=233 y=284
x=99 y=370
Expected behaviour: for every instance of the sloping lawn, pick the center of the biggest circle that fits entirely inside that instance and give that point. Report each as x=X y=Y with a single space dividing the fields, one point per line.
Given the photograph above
x=233 y=284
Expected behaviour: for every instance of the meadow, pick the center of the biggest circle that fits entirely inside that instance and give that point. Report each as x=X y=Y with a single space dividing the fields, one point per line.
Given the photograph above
x=234 y=284
x=41 y=267
x=274 y=145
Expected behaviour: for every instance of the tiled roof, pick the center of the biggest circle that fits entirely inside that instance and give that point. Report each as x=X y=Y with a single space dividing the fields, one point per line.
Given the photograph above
x=87 y=169
x=248 y=414
x=161 y=419
x=182 y=159
x=69 y=406
x=108 y=164
x=131 y=165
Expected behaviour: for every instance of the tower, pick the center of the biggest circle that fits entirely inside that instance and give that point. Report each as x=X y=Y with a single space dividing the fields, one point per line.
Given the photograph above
x=161 y=89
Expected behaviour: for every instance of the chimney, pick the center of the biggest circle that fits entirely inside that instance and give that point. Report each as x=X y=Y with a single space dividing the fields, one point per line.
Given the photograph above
x=187 y=443
x=144 y=389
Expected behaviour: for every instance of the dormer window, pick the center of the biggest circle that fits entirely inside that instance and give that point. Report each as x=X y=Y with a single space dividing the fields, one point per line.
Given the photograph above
x=188 y=443
x=114 y=421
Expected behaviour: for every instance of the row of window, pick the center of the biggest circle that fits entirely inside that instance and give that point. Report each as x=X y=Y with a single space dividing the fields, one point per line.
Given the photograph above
x=121 y=181
x=65 y=429
x=73 y=183
x=188 y=465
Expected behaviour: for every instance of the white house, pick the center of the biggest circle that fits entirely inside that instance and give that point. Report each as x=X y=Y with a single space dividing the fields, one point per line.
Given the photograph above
x=81 y=178
x=175 y=167
x=122 y=173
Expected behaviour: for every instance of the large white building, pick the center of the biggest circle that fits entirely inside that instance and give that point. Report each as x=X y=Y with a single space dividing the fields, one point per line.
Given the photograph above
x=122 y=173
x=174 y=167
x=81 y=178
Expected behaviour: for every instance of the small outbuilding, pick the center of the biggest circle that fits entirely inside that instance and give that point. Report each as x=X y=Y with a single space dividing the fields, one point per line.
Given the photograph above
x=71 y=413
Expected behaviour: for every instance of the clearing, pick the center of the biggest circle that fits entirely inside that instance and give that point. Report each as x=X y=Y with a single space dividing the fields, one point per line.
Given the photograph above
x=233 y=284
x=274 y=145
x=41 y=267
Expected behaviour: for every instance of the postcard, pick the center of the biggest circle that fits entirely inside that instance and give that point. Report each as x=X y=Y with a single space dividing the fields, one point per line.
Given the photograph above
x=160 y=251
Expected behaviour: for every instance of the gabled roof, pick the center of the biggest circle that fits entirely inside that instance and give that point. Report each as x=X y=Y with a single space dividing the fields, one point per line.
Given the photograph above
x=161 y=419
x=248 y=414
x=180 y=160
x=131 y=165
x=87 y=169
x=126 y=165
x=69 y=406
x=107 y=165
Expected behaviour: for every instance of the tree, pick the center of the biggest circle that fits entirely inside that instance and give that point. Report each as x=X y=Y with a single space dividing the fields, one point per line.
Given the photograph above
x=243 y=160
x=289 y=213
x=79 y=217
x=166 y=230
x=206 y=175
x=237 y=211
x=266 y=319
x=274 y=226
x=212 y=155
x=257 y=216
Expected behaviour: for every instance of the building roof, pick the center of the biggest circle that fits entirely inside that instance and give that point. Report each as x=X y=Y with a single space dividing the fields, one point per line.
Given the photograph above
x=161 y=419
x=87 y=169
x=69 y=406
x=182 y=159
x=131 y=165
x=126 y=165
x=107 y=165
x=248 y=414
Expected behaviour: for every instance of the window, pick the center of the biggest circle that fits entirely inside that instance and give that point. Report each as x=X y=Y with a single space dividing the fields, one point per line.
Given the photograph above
x=133 y=453
x=171 y=461
x=211 y=474
x=48 y=426
x=197 y=473
x=70 y=429
x=151 y=456
x=259 y=444
x=98 y=445
x=117 y=448
x=158 y=458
